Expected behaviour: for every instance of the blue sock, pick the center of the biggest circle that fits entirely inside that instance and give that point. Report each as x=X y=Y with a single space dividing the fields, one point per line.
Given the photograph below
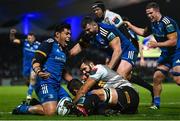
x=30 y=89
x=157 y=101
x=24 y=109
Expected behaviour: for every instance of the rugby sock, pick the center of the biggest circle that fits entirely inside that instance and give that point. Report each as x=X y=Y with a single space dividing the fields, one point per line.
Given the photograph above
x=30 y=90
x=139 y=81
x=157 y=101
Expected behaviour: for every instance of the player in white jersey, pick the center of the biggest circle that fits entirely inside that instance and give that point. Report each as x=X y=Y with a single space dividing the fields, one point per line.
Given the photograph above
x=116 y=91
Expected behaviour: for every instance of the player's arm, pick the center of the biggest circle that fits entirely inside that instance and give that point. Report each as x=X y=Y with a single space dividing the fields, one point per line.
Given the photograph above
x=140 y=31
x=115 y=44
x=82 y=43
x=172 y=36
x=84 y=89
x=13 y=38
x=172 y=40
x=75 y=50
x=40 y=57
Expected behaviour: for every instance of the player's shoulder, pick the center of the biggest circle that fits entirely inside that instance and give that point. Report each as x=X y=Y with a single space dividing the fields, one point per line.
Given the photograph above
x=49 y=40
x=47 y=43
x=167 y=20
x=111 y=13
x=99 y=67
x=37 y=43
x=106 y=27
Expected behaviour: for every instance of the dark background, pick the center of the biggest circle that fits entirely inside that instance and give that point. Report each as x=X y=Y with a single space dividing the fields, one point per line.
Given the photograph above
x=40 y=17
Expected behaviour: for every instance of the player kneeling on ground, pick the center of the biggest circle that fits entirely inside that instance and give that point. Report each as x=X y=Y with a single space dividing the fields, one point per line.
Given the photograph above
x=48 y=64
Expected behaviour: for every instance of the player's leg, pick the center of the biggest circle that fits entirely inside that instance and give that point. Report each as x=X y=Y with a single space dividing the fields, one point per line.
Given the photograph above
x=128 y=60
x=26 y=74
x=176 y=68
x=158 y=77
x=124 y=69
x=48 y=98
x=47 y=108
x=176 y=74
x=31 y=85
x=47 y=95
x=128 y=100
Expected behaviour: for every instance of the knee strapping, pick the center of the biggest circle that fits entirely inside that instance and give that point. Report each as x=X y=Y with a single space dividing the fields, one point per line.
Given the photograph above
x=175 y=73
x=108 y=95
x=162 y=71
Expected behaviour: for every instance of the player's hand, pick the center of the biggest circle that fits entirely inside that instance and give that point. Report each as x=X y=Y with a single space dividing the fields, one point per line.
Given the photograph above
x=44 y=75
x=13 y=31
x=127 y=23
x=152 y=44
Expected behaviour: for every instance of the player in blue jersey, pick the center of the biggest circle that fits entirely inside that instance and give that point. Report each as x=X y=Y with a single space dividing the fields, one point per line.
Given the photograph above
x=103 y=15
x=30 y=45
x=48 y=64
x=111 y=41
x=166 y=33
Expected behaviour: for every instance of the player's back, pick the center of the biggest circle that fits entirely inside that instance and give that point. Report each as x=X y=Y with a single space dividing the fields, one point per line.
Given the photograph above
x=108 y=77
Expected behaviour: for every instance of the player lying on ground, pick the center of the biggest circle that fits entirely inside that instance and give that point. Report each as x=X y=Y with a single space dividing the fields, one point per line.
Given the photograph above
x=115 y=91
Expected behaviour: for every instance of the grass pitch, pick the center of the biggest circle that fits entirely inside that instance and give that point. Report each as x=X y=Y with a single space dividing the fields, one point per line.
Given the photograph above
x=11 y=96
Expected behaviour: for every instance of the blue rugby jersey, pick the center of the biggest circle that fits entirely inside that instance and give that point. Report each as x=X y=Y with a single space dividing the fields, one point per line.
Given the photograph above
x=28 y=54
x=55 y=60
x=161 y=29
x=106 y=34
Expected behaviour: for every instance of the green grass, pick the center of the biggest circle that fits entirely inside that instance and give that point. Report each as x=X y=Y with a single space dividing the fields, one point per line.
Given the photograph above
x=11 y=96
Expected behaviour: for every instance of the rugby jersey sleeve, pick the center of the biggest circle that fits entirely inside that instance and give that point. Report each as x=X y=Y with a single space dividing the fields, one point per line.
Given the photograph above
x=43 y=51
x=170 y=25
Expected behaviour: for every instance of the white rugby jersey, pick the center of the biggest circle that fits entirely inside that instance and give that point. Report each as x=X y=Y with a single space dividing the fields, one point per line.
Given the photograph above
x=107 y=78
x=112 y=18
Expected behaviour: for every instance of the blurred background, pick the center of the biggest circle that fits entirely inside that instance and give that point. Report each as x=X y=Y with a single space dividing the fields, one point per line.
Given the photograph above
x=41 y=16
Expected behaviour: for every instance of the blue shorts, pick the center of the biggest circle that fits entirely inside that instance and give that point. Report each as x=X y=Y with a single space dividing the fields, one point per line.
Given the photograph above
x=26 y=70
x=176 y=59
x=49 y=91
x=130 y=55
x=165 y=60
x=170 y=60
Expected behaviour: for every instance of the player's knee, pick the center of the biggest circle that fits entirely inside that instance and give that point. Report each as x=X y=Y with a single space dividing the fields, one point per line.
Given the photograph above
x=158 y=77
x=49 y=110
x=177 y=81
x=176 y=78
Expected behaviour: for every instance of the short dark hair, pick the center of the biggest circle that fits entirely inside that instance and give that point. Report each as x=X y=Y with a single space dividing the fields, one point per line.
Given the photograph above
x=74 y=84
x=31 y=33
x=93 y=55
x=152 y=5
x=61 y=27
x=99 y=4
x=86 y=20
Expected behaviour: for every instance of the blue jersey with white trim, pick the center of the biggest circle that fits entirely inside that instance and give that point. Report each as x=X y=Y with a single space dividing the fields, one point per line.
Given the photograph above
x=106 y=34
x=29 y=52
x=55 y=60
x=161 y=29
